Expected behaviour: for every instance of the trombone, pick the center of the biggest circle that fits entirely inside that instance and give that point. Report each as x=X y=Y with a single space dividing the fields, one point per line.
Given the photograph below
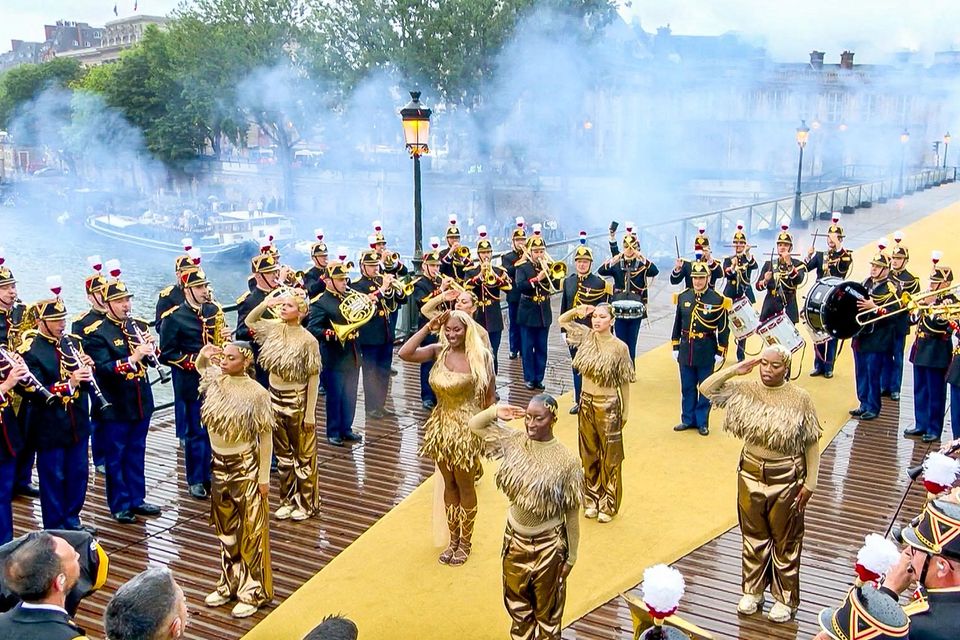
x=905 y=303
x=556 y=271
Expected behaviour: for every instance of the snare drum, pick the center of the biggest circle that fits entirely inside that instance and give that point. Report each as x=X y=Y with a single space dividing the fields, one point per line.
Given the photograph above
x=744 y=318
x=628 y=309
x=780 y=330
x=831 y=307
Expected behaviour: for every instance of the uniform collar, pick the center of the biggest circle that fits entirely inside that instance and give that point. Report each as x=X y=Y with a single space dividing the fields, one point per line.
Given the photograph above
x=44 y=607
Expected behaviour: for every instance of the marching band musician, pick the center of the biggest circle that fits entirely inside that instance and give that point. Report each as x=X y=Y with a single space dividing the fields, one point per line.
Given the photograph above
x=426 y=288
x=781 y=280
x=510 y=261
x=891 y=373
x=266 y=278
x=682 y=269
x=58 y=430
x=341 y=359
x=874 y=341
x=11 y=440
x=487 y=282
x=93 y=285
x=534 y=314
x=581 y=287
x=390 y=264
x=738 y=270
x=314 y=278
x=121 y=358
x=376 y=336
x=632 y=274
x=185 y=329
x=172 y=295
x=452 y=262
x=835 y=263
x=930 y=355
x=700 y=336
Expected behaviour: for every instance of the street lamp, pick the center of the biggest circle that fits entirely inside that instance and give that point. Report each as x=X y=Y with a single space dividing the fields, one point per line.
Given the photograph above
x=904 y=139
x=416 y=133
x=803 y=134
x=946 y=145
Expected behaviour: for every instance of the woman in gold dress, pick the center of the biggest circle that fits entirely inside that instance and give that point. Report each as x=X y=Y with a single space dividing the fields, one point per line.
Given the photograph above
x=239 y=418
x=778 y=472
x=607 y=369
x=462 y=378
x=461 y=300
x=544 y=483
x=291 y=355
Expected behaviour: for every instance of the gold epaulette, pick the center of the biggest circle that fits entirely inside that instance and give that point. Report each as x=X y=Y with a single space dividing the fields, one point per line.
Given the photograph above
x=246 y=294
x=727 y=303
x=26 y=340
x=169 y=311
x=165 y=291
x=914 y=607
x=676 y=298
x=317 y=297
x=79 y=317
x=92 y=327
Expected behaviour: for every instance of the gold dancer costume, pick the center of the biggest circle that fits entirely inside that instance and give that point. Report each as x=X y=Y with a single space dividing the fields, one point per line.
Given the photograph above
x=778 y=472
x=544 y=483
x=239 y=417
x=291 y=355
x=604 y=362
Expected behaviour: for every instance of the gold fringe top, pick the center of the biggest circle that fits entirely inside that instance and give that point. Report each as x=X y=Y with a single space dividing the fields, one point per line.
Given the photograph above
x=287 y=350
x=235 y=408
x=603 y=358
x=780 y=419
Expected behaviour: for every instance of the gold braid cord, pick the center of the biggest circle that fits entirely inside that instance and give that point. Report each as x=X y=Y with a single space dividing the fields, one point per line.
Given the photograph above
x=605 y=361
x=781 y=419
x=288 y=351
x=236 y=408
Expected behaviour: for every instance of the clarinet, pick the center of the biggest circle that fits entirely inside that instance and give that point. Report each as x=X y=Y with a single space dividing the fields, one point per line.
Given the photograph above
x=135 y=331
x=29 y=379
x=69 y=347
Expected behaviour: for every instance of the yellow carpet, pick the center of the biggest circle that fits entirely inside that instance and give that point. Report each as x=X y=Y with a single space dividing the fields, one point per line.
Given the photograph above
x=679 y=493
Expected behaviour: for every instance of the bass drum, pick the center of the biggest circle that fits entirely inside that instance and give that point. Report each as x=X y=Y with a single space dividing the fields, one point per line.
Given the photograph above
x=831 y=307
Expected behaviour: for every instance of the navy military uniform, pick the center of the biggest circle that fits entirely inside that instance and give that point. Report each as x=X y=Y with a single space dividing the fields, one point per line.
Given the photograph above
x=700 y=336
x=786 y=277
x=24 y=622
x=510 y=261
x=488 y=284
x=314 y=277
x=391 y=264
x=185 y=330
x=59 y=430
x=833 y=263
x=11 y=442
x=682 y=275
x=451 y=264
x=263 y=263
x=376 y=337
x=738 y=269
x=891 y=373
x=124 y=424
x=931 y=353
x=631 y=281
x=534 y=317
x=589 y=289
x=424 y=289
x=93 y=285
x=340 y=359
x=873 y=343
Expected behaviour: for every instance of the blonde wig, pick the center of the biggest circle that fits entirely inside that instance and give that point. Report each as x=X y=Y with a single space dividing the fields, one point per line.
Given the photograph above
x=478 y=355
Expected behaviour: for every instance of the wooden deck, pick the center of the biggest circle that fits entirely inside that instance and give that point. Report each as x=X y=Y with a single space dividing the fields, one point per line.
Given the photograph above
x=862 y=487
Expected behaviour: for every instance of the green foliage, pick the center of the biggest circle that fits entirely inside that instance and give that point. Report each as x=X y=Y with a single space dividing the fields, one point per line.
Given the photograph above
x=24 y=83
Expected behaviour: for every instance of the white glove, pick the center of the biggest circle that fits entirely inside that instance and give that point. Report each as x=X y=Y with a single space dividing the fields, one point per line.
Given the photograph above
x=718 y=358
x=676 y=356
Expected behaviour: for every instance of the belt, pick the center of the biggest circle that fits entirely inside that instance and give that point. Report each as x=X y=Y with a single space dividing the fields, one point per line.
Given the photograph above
x=536 y=298
x=698 y=334
x=486 y=303
x=933 y=336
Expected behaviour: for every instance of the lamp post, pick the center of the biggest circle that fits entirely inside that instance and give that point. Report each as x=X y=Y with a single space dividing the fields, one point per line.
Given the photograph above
x=803 y=134
x=946 y=145
x=416 y=133
x=904 y=139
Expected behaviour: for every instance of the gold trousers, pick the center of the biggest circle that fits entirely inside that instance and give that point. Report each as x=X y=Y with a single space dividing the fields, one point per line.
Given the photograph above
x=601 y=450
x=772 y=529
x=239 y=514
x=296 y=451
x=533 y=592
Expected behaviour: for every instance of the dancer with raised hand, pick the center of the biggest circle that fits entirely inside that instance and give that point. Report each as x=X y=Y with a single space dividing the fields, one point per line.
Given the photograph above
x=604 y=362
x=239 y=417
x=463 y=381
x=544 y=483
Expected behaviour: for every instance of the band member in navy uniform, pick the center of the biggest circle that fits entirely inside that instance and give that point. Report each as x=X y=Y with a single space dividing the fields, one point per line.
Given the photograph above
x=455 y=259
x=738 y=270
x=930 y=355
x=266 y=278
x=185 y=329
x=314 y=278
x=632 y=274
x=781 y=279
x=376 y=336
x=534 y=314
x=581 y=287
x=425 y=288
x=510 y=261
x=122 y=351
x=172 y=295
x=875 y=340
x=58 y=430
x=836 y=262
x=11 y=440
x=683 y=269
x=341 y=357
x=891 y=374
x=700 y=337
x=93 y=285
x=488 y=282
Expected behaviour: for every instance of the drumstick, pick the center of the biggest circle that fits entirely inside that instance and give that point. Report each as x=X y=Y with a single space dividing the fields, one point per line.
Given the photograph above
x=677 y=244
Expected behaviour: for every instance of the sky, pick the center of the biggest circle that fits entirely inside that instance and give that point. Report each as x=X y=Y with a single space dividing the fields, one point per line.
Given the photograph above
x=873 y=29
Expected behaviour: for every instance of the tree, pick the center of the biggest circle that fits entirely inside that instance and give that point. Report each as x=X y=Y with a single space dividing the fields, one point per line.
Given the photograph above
x=22 y=84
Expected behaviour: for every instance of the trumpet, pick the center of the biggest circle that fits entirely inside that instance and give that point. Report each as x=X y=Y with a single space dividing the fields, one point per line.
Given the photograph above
x=134 y=329
x=357 y=309
x=462 y=253
x=30 y=380
x=291 y=277
x=389 y=261
x=905 y=302
x=407 y=287
x=71 y=349
x=451 y=283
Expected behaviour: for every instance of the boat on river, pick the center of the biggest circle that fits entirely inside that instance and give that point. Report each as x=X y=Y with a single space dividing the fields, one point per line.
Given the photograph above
x=225 y=235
